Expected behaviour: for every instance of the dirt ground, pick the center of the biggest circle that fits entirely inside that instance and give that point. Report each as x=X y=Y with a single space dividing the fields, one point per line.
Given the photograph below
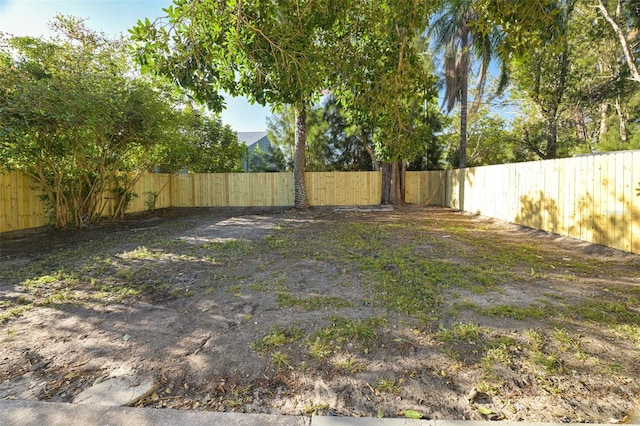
x=413 y=311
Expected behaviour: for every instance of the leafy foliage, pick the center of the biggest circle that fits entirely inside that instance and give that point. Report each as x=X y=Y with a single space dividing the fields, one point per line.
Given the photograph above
x=214 y=147
x=72 y=119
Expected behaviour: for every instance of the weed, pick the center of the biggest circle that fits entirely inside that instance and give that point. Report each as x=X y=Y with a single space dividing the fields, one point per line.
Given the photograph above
x=60 y=277
x=319 y=348
x=347 y=363
x=565 y=340
x=261 y=286
x=465 y=333
x=142 y=253
x=451 y=354
x=632 y=331
x=536 y=339
x=346 y=329
x=235 y=289
x=487 y=388
x=551 y=363
x=387 y=386
x=230 y=247
x=313 y=410
x=120 y=291
x=280 y=359
x=178 y=292
x=607 y=313
x=238 y=395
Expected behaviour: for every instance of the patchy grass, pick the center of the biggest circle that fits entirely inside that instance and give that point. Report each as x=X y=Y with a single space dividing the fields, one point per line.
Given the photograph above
x=387 y=386
x=386 y=300
x=521 y=313
x=333 y=338
x=279 y=337
x=312 y=303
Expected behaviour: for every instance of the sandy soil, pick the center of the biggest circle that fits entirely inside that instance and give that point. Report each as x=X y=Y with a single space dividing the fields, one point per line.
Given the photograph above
x=183 y=296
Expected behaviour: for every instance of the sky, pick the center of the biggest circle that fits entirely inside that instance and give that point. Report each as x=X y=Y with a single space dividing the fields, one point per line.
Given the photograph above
x=112 y=17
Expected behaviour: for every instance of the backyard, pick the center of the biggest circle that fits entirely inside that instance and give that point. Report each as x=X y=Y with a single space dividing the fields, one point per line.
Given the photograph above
x=410 y=311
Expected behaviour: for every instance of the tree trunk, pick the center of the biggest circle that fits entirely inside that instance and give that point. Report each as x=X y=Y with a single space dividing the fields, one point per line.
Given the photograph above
x=387 y=177
x=604 y=109
x=403 y=180
x=300 y=157
x=397 y=195
x=628 y=52
x=552 y=140
x=374 y=161
x=392 y=185
x=624 y=131
x=464 y=83
x=581 y=126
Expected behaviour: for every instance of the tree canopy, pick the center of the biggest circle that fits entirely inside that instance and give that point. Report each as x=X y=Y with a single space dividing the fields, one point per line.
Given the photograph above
x=76 y=114
x=273 y=52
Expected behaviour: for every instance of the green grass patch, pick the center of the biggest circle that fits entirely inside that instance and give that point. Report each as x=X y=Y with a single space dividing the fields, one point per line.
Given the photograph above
x=58 y=278
x=606 y=313
x=385 y=385
x=332 y=338
x=286 y=300
x=230 y=249
x=14 y=312
x=278 y=337
x=466 y=333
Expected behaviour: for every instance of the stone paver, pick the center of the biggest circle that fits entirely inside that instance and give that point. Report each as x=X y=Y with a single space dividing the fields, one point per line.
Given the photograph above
x=117 y=391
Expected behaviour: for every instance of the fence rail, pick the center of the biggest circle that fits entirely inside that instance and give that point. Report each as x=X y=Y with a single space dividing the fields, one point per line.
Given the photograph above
x=593 y=198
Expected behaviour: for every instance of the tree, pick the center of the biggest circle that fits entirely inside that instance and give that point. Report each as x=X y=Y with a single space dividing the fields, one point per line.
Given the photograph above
x=214 y=147
x=457 y=37
x=332 y=144
x=542 y=74
x=273 y=52
x=625 y=23
x=489 y=141
x=73 y=120
x=383 y=81
x=599 y=91
x=351 y=146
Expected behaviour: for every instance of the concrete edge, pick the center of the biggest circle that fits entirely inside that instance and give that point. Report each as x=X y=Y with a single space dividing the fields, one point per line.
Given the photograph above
x=369 y=421
x=21 y=413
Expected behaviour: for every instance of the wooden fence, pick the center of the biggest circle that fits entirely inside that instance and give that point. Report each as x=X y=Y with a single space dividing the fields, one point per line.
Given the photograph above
x=593 y=198
x=21 y=206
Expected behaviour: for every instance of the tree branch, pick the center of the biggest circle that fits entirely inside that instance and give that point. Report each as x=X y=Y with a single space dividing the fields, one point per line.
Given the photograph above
x=635 y=74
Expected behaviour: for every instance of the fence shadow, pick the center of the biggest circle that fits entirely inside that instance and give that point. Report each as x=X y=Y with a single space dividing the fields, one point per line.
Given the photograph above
x=538 y=211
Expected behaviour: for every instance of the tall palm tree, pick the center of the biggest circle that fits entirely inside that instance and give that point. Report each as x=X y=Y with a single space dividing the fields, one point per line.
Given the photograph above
x=453 y=34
